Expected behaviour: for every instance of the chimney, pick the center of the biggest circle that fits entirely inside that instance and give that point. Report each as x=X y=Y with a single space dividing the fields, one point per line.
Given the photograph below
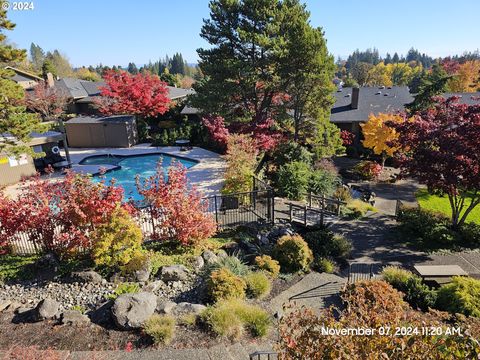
x=50 y=81
x=355 y=95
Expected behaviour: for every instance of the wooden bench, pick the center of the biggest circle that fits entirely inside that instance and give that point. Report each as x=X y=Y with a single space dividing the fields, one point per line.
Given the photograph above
x=441 y=274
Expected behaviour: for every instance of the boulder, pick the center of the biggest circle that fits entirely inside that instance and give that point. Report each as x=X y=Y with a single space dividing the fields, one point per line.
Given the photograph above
x=198 y=263
x=46 y=309
x=209 y=257
x=153 y=286
x=174 y=273
x=165 y=306
x=4 y=304
x=130 y=311
x=185 y=308
x=88 y=276
x=222 y=254
x=74 y=317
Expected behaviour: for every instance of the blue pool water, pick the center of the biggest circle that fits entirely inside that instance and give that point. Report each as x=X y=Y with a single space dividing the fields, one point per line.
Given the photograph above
x=131 y=166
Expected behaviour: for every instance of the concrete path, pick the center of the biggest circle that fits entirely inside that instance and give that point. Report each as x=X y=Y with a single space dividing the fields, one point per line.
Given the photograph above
x=315 y=290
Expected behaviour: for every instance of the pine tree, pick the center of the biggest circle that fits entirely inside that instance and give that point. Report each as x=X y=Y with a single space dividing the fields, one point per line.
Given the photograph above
x=48 y=67
x=14 y=120
x=177 y=65
x=132 y=68
x=37 y=56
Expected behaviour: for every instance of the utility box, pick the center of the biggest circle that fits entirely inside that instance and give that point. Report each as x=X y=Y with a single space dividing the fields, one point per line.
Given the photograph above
x=99 y=131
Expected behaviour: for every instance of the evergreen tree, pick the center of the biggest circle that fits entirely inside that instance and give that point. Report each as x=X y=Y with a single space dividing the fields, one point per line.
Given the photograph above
x=168 y=78
x=61 y=63
x=48 y=67
x=432 y=84
x=37 y=56
x=395 y=58
x=388 y=59
x=14 y=120
x=177 y=65
x=132 y=68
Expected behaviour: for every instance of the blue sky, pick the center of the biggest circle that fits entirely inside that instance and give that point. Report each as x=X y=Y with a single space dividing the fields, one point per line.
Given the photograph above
x=117 y=32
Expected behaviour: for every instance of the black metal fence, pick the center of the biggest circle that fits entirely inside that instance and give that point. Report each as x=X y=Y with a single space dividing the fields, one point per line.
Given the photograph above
x=229 y=211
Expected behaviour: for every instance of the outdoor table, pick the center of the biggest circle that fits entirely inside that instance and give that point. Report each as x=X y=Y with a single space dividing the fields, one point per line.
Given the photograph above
x=184 y=144
x=441 y=274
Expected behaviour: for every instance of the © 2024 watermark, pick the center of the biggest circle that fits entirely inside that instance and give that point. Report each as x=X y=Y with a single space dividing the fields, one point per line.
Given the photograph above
x=389 y=331
x=18 y=5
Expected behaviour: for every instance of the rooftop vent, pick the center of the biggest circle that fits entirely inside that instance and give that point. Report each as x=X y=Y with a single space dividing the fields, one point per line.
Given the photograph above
x=389 y=87
x=386 y=94
x=348 y=95
x=378 y=93
x=382 y=87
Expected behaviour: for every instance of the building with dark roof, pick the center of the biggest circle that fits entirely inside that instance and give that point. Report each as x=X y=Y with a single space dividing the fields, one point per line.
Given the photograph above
x=23 y=78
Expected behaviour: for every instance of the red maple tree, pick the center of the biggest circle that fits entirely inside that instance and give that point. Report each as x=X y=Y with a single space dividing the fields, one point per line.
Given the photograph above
x=49 y=102
x=59 y=216
x=443 y=152
x=142 y=94
x=176 y=208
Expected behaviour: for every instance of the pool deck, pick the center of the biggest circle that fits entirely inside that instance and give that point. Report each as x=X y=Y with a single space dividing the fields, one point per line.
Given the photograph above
x=207 y=175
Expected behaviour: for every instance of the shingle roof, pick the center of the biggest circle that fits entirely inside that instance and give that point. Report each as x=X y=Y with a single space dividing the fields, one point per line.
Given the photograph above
x=177 y=93
x=22 y=75
x=466 y=98
x=79 y=88
x=370 y=100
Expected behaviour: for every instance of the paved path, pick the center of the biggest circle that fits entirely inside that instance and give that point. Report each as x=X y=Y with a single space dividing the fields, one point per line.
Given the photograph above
x=315 y=290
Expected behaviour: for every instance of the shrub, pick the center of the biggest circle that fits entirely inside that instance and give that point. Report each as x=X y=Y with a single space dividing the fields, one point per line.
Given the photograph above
x=326 y=165
x=124 y=288
x=358 y=208
x=139 y=262
x=462 y=295
x=231 y=318
x=241 y=160
x=470 y=233
x=367 y=170
x=325 y=243
x=161 y=328
x=291 y=151
x=232 y=263
x=258 y=285
x=177 y=208
x=293 y=253
x=117 y=242
x=267 y=264
x=293 y=180
x=323 y=182
x=223 y=285
x=343 y=193
x=417 y=294
x=324 y=265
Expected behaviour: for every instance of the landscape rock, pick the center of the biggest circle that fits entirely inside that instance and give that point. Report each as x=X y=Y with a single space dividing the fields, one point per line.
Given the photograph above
x=46 y=309
x=4 y=304
x=130 y=311
x=165 y=306
x=209 y=257
x=89 y=276
x=222 y=254
x=74 y=317
x=185 y=308
x=198 y=263
x=153 y=286
x=174 y=273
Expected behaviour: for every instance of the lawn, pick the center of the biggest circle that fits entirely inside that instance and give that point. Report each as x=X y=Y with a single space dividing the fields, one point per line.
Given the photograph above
x=441 y=204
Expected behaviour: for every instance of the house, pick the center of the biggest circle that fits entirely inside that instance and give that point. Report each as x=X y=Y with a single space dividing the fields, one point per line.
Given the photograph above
x=84 y=93
x=354 y=105
x=25 y=79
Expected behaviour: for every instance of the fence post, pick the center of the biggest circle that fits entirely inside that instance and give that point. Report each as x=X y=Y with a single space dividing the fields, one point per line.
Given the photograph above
x=305 y=215
x=216 y=208
x=310 y=198
x=290 y=212
x=154 y=231
x=272 y=197
x=322 y=210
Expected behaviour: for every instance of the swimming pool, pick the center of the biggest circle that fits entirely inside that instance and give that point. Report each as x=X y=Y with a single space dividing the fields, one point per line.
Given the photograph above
x=128 y=167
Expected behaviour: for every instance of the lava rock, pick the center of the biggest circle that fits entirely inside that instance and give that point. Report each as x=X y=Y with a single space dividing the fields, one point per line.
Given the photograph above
x=89 y=276
x=165 y=306
x=184 y=308
x=74 y=317
x=130 y=311
x=174 y=273
x=46 y=309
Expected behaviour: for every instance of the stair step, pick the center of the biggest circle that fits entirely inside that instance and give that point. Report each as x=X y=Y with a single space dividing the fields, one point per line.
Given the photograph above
x=219 y=352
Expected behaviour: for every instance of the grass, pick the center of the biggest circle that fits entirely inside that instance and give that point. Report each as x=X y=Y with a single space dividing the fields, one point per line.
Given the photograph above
x=161 y=328
x=441 y=204
x=14 y=267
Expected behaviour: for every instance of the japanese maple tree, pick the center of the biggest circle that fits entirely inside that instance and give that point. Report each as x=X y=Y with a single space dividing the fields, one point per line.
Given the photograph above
x=49 y=102
x=177 y=208
x=442 y=151
x=59 y=216
x=142 y=94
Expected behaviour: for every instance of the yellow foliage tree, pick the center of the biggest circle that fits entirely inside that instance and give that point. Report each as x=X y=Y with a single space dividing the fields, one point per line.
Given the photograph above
x=377 y=134
x=467 y=78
